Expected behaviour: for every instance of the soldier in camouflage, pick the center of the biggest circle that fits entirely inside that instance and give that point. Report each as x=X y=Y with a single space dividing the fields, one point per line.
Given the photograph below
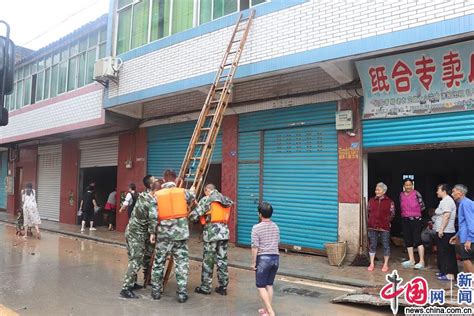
x=172 y=236
x=216 y=242
x=139 y=232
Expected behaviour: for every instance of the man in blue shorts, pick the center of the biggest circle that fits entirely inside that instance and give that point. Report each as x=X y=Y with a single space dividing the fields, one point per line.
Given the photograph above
x=265 y=255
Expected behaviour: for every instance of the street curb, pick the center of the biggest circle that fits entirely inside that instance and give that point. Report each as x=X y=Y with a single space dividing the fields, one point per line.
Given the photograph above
x=342 y=281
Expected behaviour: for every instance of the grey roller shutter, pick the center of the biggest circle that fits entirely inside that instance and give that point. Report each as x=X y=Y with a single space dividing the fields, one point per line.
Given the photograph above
x=49 y=181
x=100 y=152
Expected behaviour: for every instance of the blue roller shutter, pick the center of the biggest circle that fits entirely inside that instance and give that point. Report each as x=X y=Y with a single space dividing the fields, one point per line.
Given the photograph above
x=423 y=129
x=167 y=145
x=248 y=184
x=3 y=178
x=299 y=176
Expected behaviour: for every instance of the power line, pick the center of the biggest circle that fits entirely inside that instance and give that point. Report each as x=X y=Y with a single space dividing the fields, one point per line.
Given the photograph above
x=61 y=22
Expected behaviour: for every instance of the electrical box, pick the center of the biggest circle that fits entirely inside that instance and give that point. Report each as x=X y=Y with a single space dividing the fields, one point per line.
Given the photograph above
x=107 y=68
x=344 y=120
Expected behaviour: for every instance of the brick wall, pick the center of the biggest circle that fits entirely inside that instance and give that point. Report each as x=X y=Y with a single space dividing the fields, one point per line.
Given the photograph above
x=63 y=113
x=28 y=162
x=69 y=180
x=350 y=169
x=230 y=165
x=314 y=24
x=131 y=146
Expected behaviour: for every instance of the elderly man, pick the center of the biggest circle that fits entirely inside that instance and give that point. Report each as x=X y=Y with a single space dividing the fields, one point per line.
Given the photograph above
x=465 y=235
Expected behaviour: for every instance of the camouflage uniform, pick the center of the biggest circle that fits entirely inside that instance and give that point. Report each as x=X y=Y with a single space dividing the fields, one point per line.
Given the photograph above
x=142 y=223
x=216 y=242
x=172 y=238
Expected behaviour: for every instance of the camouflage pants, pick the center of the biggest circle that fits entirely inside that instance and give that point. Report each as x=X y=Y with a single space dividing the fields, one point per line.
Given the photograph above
x=149 y=247
x=179 y=250
x=214 y=252
x=135 y=251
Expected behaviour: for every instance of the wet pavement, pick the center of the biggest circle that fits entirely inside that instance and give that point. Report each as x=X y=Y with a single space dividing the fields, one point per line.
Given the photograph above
x=310 y=267
x=65 y=275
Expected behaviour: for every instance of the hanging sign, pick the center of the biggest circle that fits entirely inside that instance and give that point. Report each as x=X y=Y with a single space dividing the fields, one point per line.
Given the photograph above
x=423 y=82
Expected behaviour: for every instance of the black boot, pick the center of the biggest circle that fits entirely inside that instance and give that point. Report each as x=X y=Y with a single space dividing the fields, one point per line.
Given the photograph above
x=182 y=298
x=127 y=293
x=155 y=294
x=201 y=291
x=137 y=286
x=221 y=290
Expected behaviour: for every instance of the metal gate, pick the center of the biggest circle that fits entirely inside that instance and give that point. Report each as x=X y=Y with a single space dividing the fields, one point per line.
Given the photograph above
x=100 y=152
x=167 y=145
x=293 y=165
x=423 y=129
x=49 y=181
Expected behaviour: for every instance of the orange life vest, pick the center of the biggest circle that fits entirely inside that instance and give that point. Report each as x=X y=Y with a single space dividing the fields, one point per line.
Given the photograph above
x=219 y=214
x=171 y=203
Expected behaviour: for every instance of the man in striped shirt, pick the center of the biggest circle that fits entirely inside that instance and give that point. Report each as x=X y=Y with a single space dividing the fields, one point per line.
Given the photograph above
x=265 y=255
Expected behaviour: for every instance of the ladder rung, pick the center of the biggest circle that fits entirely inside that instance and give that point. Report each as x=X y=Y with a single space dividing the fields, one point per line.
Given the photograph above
x=196 y=158
x=201 y=143
x=215 y=101
x=210 y=114
x=228 y=64
x=205 y=129
x=233 y=52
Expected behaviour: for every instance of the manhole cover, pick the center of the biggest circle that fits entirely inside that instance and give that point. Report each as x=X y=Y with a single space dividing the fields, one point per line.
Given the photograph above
x=301 y=292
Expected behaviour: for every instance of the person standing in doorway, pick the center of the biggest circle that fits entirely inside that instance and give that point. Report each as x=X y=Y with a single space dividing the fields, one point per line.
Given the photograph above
x=465 y=235
x=110 y=209
x=381 y=211
x=411 y=204
x=265 y=255
x=30 y=209
x=445 y=216
x=213 y=211
x=88 y=204
x=130 y=200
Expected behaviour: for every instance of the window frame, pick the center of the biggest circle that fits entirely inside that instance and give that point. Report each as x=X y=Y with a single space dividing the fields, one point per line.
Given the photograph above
x=33 y=69
x=195 y=20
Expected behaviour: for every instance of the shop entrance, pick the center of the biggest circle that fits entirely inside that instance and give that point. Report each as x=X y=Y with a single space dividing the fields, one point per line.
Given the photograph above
x=105 y=179
x=428 y=168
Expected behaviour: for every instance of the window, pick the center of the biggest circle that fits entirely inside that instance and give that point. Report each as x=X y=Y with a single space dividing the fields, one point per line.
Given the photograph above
x=142 y=21
x=62 y=77
x=68 y=68
x=71 y=74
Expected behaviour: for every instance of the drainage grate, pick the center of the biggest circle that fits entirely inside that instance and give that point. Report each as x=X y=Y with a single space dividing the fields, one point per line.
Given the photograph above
x=301 y=292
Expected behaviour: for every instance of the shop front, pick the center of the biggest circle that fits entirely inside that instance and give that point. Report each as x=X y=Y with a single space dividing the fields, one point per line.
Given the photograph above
x=417 y=120
x=289 y=158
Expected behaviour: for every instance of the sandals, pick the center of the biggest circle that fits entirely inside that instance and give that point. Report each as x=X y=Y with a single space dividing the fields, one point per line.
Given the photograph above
x=408 y=264
x=370 y=268
x=263 y=311
x=444 y=278
x=419 y=266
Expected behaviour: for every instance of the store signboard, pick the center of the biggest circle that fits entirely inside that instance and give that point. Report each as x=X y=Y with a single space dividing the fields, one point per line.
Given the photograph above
x=418 y=83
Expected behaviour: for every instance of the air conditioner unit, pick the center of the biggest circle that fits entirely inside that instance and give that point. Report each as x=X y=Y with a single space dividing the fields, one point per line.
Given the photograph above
x=107 y=69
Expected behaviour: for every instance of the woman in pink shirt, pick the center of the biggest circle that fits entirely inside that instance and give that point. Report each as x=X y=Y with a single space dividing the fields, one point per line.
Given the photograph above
x=411 y=204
